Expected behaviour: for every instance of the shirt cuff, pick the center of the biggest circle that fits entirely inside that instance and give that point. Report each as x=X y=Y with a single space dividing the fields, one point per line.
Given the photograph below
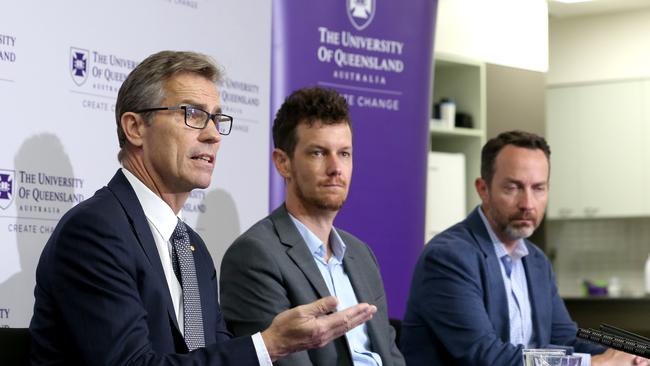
x=262 y=353
x=586 y=358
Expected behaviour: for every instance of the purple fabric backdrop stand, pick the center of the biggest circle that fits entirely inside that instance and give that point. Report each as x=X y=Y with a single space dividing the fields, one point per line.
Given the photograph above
x=378 y=54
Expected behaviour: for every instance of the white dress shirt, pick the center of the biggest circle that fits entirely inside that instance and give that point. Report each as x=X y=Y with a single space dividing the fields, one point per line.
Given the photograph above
x=162 y=222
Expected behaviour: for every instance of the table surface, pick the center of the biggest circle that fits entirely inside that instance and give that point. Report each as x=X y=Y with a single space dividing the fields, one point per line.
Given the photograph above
x=630 y=313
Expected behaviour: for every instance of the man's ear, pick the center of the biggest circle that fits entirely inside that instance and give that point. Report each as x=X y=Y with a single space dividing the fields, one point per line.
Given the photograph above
x=133 y=126
x=482 y=189
x=282 y=163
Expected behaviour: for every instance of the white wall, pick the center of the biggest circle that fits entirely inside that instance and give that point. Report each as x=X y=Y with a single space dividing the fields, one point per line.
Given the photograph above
x=599 y=48
x=504 y=32
x=60 y=123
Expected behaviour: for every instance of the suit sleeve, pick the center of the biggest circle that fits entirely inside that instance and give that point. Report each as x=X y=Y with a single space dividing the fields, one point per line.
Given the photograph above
x=253 y=292
x=449 y=298
x=94 y=282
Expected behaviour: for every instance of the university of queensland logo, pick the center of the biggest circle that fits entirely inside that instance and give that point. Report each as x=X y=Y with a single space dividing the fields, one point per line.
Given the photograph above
x=79 y=65
x=6 y=188
x=360 y=12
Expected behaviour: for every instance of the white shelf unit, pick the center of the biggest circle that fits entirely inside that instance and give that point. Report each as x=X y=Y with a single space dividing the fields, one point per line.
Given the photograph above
x=463 y=80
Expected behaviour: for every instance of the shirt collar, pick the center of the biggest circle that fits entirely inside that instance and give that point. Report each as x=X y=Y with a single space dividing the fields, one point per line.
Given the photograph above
x=156 y=210
x=520 y=249
x=315 y=245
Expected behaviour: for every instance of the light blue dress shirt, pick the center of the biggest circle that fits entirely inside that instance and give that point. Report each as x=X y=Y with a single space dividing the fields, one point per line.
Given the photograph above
x=338 y=284
x=514 y=279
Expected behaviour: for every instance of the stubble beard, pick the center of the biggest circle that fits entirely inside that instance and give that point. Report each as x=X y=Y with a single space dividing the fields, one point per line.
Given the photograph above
x=320 y=203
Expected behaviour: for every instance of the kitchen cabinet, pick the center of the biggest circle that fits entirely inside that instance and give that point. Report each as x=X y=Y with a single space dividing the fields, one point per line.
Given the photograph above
x=600 y=162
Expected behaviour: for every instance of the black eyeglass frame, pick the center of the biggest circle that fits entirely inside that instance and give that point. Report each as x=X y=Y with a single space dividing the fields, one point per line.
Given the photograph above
x=211 y=116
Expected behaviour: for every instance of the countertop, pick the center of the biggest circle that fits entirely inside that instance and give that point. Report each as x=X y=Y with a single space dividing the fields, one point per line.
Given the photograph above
x=630 y=313
x=607 y=298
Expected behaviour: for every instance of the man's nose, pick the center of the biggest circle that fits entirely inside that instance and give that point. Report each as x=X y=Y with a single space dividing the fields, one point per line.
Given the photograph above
x=526 y=199
x=210 y=133
x=334 y=165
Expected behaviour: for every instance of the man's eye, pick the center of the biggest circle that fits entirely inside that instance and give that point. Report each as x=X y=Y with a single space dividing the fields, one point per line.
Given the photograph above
x=192 y=112
x=510 y=188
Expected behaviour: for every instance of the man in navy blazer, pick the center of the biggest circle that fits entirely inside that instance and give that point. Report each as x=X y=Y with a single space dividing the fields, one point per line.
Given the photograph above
x=481 y=292
x=109 y=289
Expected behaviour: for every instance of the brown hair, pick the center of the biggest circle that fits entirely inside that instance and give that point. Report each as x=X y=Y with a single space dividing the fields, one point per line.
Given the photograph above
x=307 y=105
x=517 y=138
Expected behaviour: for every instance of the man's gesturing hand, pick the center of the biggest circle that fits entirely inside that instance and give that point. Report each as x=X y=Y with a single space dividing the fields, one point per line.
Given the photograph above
x=312 y=325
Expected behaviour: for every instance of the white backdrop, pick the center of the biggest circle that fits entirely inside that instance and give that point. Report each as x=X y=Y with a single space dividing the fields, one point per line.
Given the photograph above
x=57 y=131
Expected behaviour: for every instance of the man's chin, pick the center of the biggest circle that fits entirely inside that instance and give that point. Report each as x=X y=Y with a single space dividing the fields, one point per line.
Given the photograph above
x=335 y=207
x=517 y=233
x=330 y=205
x=202 y=184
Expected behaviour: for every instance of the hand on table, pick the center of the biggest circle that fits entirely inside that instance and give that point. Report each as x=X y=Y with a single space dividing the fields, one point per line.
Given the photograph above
x=614 y=358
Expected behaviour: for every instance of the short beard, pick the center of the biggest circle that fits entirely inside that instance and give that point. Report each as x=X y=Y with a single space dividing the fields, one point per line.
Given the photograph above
x=320 y=204
x=513 y=233
x=518 y=233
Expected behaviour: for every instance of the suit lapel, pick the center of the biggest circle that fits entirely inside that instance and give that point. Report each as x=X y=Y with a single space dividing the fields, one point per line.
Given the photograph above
x=495 y=298
x=124 y=193
x=355 y=272
x=297 y=250
x=209 y=303
x=355 y=269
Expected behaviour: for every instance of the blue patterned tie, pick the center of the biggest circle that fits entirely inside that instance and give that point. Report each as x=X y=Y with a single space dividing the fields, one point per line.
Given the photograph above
x=183 y=262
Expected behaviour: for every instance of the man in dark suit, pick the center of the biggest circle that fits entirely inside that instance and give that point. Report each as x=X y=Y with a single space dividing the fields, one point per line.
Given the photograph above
x=122 y=280
x=481 y=292
x=295 y=255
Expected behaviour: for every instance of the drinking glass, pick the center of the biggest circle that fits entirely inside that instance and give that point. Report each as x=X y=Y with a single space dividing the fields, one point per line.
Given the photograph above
x=542 y=359
x=532 y=356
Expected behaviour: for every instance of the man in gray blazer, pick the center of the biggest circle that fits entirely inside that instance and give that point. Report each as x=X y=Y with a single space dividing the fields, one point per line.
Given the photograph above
x=295 y=255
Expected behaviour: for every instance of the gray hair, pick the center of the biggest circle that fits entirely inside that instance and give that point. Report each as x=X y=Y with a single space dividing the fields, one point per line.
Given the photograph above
x=145 y=85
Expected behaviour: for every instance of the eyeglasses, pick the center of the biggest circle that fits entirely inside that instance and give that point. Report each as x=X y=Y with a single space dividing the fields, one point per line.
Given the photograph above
x=198 y=118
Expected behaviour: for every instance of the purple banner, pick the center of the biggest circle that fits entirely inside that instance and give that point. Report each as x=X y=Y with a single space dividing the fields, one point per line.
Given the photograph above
x=378 y=54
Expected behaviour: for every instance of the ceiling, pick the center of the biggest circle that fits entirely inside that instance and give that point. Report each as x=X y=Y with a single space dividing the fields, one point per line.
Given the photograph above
x=561 y=10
